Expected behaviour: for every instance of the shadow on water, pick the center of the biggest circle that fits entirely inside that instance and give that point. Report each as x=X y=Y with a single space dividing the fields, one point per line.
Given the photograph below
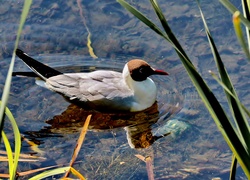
x=137 y=125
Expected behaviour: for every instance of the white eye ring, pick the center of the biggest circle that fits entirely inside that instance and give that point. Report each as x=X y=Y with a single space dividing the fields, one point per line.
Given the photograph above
x=141 y=70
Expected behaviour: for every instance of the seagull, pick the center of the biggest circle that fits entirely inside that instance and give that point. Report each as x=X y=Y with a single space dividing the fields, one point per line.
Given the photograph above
x=101 y=90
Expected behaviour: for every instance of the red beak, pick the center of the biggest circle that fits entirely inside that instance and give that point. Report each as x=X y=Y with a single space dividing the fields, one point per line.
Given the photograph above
x=160 y=72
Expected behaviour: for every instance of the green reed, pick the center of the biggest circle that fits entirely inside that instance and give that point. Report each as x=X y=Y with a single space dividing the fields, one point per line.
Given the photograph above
x=12 y=161
x=237 y=136
x=13 y=157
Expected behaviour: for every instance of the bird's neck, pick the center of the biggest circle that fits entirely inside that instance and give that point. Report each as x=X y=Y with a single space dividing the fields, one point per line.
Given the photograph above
x=144 y=92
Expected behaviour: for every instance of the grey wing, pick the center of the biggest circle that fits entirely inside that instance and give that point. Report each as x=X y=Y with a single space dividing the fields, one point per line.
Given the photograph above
x=95 y=86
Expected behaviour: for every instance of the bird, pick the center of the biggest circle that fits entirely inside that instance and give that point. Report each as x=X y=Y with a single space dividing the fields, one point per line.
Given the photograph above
x=101 y=90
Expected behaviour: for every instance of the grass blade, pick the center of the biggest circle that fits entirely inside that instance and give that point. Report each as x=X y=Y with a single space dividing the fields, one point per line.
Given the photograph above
x=233 y=9
x=246 y=12
x=9 y=153
x=6 y=89
x=155 y=28
x=236 y=110
x=29 y=172
x=167 y=29
x=17 y=136
x=76 y=173
x=239 y=34
x=229 y=92
x=233 y=168
x=239 y=116
x=50 y=173
x=143 y=18
x=79 y=143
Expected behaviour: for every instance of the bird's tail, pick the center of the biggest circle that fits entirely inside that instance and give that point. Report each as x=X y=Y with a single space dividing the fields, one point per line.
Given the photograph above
x=42 y=70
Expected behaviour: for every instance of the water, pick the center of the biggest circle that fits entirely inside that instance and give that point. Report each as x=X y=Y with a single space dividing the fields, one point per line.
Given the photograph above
x=56 y=35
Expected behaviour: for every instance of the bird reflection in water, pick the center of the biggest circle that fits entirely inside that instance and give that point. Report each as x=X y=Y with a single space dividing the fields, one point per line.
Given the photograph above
x=138 y=125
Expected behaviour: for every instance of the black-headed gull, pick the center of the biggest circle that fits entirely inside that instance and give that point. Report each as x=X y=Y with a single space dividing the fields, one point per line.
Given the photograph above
x=132 y=90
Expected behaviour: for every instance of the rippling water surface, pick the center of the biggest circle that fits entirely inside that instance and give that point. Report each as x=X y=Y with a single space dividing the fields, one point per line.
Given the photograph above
x=56 y=34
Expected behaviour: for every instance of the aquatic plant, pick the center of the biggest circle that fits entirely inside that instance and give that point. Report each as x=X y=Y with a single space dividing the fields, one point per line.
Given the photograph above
x=235 y=132
x=237 y=136
x=12 y=161
x=13 y=157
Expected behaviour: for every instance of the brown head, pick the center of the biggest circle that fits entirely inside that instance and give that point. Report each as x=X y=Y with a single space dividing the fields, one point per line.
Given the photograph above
x=140 y=70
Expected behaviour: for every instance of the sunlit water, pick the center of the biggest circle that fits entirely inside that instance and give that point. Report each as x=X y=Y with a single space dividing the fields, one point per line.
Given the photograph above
x=55 y=32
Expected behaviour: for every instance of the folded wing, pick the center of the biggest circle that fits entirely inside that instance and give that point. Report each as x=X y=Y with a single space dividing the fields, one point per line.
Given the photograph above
x=100 y=88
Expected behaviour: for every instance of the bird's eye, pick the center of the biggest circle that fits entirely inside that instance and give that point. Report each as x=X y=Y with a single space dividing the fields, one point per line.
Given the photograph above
x=142 y=70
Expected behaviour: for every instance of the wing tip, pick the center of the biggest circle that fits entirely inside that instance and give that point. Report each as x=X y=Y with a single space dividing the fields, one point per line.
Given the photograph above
x=19 y=52
x=37 y=67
